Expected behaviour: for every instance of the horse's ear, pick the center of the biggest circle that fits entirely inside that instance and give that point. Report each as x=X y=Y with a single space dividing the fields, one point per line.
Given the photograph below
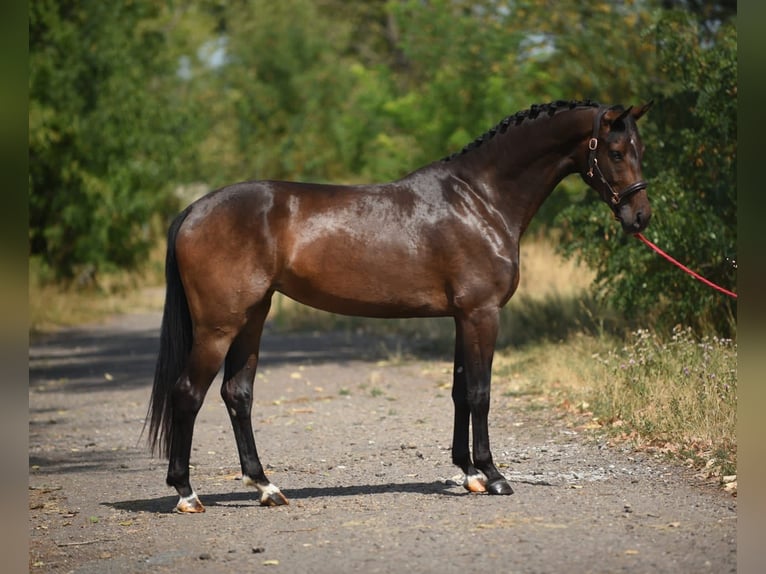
x=639 y=111
x=615 y=116
x=622 y=116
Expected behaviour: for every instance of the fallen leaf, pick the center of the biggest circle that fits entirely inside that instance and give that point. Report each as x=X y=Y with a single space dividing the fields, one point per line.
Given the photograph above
x=271 y=562
x=593 y=424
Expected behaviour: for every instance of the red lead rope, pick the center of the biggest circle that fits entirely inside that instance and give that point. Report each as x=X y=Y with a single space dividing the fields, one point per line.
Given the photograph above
x=689 y=271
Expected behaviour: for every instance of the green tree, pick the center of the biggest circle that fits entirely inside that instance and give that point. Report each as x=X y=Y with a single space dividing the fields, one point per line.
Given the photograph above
x=106 y=132
x=691 y=139
x=274 y=102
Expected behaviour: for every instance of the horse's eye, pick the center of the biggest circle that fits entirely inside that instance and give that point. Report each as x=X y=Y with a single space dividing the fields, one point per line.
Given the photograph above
x=615 y=155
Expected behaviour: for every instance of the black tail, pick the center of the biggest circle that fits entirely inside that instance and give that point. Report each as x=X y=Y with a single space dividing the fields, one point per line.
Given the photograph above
x=175 y=345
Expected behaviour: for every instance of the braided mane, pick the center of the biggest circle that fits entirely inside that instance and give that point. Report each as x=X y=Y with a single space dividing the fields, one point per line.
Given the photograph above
x=516 y=119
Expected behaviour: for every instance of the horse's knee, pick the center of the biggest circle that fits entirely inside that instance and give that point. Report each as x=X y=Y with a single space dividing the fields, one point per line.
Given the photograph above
x=237 y=397
x=186 y=399
x=478 y=400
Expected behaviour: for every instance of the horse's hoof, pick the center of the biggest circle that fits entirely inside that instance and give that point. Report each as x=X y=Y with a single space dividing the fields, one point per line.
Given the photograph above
x=274 y=499
x=272 y=496
x=189 y=504
x=475 y=483
x=499 y=486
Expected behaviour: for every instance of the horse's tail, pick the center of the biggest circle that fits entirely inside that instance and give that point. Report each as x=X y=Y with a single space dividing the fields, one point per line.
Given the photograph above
x=175 y=345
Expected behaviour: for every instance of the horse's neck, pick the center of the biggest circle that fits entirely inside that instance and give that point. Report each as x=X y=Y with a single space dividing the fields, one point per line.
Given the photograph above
x=524 y=165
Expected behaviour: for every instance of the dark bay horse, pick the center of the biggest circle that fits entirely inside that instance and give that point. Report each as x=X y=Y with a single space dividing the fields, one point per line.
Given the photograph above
x=441 y=241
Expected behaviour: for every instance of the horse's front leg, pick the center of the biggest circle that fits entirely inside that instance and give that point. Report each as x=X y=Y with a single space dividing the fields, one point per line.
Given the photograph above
x=476 y=334
x=461 y=454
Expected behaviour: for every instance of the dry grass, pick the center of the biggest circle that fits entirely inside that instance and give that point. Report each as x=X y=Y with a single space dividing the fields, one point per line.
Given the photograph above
x=546 y=274
x=674 y=398
x=52 y=306
x=677 y=396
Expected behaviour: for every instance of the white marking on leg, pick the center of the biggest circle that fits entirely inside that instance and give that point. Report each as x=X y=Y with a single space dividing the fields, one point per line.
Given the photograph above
x=183 y=500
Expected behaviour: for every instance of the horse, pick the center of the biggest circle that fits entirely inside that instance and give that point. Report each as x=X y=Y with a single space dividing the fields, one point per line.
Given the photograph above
x=442 y=241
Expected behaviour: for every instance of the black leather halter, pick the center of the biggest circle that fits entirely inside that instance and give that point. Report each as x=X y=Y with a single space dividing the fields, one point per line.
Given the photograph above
x=617 y=197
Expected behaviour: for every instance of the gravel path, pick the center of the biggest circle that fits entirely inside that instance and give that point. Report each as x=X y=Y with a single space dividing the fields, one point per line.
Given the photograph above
x=360 y=446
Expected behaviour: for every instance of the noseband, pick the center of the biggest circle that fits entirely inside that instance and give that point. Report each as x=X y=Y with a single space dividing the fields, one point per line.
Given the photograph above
x=617 y=196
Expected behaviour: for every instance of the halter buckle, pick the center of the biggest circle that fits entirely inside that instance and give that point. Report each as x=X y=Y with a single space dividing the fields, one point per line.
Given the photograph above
x=592 y=144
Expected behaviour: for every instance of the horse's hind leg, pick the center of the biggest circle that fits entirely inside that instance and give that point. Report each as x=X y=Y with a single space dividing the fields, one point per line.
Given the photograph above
x=237 y=392
x=205 y=359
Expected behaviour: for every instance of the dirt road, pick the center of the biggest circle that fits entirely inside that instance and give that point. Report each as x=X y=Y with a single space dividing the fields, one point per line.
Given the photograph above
x=360 y=446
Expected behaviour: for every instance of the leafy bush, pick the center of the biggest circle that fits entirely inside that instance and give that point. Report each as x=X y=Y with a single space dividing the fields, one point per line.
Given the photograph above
x=105 y=135
x=691 y=140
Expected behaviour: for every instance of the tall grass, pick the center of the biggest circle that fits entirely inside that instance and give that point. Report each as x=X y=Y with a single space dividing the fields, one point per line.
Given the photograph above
x=675 y=396
x=678 y=395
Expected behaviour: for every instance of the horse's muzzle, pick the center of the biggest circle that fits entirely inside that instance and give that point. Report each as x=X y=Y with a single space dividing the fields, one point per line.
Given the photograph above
x=634 y=219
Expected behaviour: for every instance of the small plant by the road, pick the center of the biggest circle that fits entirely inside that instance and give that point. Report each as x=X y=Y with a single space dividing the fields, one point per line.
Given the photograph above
x=675 y=395
x=678 y=394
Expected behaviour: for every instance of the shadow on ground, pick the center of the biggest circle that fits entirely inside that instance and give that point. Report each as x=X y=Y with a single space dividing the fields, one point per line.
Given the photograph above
x=119 y=358
x=248 y=498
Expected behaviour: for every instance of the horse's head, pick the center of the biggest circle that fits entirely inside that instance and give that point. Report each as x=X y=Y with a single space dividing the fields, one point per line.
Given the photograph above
x=614 y=165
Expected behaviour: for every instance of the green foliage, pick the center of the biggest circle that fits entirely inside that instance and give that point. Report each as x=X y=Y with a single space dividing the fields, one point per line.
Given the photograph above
x=105 y=136
x=691 y=164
